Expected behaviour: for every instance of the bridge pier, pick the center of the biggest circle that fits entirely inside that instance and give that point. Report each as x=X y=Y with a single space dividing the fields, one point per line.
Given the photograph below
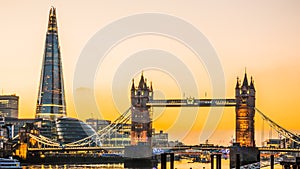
x=218 y=161
x=163 y=160
x=237 y=161
x=212 y=159
x=219 y=156
x=272 y=162
x=247 y=155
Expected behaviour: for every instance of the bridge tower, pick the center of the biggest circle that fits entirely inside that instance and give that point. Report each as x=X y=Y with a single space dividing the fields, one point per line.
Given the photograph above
x=245 y=103
x=141 y=119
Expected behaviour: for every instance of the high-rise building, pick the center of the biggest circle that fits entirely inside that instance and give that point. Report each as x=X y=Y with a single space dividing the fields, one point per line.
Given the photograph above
x=9 y=106
x=51 y=97
x=51 y=105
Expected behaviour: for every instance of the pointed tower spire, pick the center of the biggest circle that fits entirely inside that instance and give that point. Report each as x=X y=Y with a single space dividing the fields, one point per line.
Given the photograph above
x=245 y=82
x=142 y=81
x=132 y=87
x=252 y=84
x=151 y=88
x=51 y=97
x=237 y=86
x=145 y=84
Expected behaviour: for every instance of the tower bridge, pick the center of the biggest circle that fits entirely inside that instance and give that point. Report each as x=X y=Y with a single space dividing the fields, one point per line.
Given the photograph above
x=141 y=123
x=139 y=115
x=51 y=108
x=244 y=103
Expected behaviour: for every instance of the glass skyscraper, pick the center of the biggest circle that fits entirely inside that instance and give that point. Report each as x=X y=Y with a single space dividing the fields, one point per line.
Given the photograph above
x=51 y=105
x=51 y=97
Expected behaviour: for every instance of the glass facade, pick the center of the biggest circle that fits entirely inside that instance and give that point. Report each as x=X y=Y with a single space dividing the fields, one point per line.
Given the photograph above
x=9 y=106
x=51 y=97
x=51 y=106
x=71 y=130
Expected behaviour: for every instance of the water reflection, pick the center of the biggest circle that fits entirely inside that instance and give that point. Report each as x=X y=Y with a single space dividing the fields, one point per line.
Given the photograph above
x=183 y=164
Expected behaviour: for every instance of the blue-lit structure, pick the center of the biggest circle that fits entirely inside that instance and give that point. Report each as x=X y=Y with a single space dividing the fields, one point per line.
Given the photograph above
x=51 y=97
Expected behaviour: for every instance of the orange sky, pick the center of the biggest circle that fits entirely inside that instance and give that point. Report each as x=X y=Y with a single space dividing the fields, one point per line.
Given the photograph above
x=262 y=36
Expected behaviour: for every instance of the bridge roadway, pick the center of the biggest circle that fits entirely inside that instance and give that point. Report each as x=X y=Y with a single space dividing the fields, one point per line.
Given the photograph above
x=221 y=148
x=191 y=102
x=279 y=149
x=121 y=148
x=179 y=148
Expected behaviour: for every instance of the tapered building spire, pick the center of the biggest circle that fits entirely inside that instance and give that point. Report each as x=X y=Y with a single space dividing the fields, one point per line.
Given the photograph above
x=51 y=97
x=52 y=23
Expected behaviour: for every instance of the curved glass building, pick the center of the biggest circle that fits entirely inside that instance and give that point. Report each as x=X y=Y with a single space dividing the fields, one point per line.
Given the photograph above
x=71 y=130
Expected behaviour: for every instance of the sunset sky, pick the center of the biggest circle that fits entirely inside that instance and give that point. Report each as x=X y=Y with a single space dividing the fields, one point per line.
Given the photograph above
x=263 y=36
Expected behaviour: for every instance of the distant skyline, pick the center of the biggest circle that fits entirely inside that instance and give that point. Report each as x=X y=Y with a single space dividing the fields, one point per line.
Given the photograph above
x=263 y=36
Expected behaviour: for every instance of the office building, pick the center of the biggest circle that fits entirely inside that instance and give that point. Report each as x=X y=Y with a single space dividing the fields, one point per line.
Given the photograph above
x=9 y=106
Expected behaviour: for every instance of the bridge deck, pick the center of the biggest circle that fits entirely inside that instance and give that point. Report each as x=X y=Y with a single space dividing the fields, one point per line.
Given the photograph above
x=279 y=149
x=191 y=102
x=165 y=148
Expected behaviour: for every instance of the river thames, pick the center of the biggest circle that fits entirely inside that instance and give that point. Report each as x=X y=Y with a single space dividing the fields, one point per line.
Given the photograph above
x=177 y=165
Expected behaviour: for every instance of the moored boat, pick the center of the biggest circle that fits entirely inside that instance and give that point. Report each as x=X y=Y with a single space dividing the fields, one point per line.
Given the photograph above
x=9 y=163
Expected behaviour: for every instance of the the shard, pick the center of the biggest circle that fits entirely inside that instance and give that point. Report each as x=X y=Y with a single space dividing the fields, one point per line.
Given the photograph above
x=51 y=97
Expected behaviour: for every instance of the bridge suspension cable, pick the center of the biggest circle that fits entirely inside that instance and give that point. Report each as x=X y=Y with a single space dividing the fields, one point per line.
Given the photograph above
x=124 y=118
x=114 y=126
x=284 y=132
x=94 y=138
x=44 y=141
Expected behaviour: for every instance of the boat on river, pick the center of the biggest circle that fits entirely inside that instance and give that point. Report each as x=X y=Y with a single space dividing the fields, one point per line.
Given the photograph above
x=9 y=163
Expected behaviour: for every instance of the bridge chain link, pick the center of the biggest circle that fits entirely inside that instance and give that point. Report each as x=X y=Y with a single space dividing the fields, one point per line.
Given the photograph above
x=284 y=132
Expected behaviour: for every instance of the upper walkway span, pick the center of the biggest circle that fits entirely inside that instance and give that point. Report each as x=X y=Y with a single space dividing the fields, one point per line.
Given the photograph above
x=191 y=102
